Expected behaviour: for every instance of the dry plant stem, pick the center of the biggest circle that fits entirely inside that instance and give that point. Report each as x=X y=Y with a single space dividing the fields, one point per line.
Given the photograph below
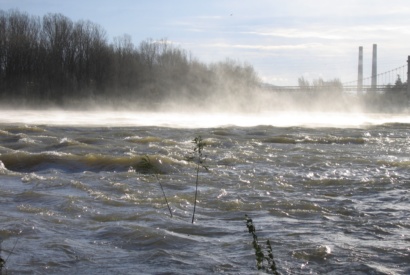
x=146 y=163
x=196 y=192
x=199 y=146
x=2 y=261
x=165 y=197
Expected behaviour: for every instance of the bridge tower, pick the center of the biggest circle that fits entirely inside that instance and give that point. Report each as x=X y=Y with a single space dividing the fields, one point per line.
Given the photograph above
x=360 y=72
x=374 y=68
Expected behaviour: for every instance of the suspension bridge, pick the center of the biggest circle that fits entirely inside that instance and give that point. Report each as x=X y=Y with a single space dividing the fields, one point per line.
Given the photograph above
x=385 y=80
x=396 y=78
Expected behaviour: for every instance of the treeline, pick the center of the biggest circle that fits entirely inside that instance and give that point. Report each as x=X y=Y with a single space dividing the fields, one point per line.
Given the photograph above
x=54 y=60
x=320 y=85
x=393 y=99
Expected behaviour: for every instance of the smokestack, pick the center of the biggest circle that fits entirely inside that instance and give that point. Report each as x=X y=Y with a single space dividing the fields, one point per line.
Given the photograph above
x=360 y=72
x=374 y=68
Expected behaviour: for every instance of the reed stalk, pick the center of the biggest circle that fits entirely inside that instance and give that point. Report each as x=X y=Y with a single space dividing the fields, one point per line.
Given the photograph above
x=146 y=164
x=200 y=159
x=163 y=192
x=2 y=261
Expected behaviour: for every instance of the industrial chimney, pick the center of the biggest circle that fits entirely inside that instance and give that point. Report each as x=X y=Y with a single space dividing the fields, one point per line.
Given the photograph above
x=360 y=72
x=374 y=68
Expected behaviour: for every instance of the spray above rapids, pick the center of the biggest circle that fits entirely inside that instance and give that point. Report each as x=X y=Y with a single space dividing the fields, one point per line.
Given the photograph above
x=199 y=120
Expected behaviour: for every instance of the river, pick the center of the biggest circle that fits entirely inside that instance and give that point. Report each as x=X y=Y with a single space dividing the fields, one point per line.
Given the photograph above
x=330 y=192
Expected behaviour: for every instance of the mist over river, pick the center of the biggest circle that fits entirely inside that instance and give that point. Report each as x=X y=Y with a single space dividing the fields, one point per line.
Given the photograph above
x=330 y=191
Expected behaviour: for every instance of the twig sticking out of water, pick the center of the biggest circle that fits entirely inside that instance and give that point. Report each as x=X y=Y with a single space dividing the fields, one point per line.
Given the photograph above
x=199 y=146
x=260 y=256
x=2 y=261
x=146 y=163
x=2 y=264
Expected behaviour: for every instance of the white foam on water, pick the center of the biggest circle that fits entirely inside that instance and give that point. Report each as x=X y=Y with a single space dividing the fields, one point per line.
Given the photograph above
x=198 y=120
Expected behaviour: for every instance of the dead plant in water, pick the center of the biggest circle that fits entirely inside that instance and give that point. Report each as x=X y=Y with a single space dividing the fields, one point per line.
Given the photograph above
x=4 y=262
x=147 y=165
x=260 y=256
x=200 y=160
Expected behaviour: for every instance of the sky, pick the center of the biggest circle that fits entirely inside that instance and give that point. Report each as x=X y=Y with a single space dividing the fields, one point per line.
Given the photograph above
x=282 y=39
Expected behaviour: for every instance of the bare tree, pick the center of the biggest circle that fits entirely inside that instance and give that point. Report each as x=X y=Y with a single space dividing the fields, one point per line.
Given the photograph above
x=53 y=59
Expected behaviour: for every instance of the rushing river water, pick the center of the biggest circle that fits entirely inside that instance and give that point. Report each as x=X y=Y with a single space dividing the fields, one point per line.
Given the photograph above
x=76 y=198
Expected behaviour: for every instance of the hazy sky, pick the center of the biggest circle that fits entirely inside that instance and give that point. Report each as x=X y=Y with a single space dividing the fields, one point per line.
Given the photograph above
x=282 y=39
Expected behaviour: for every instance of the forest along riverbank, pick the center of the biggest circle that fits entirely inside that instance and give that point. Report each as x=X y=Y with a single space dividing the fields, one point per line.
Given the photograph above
x=75 y=199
